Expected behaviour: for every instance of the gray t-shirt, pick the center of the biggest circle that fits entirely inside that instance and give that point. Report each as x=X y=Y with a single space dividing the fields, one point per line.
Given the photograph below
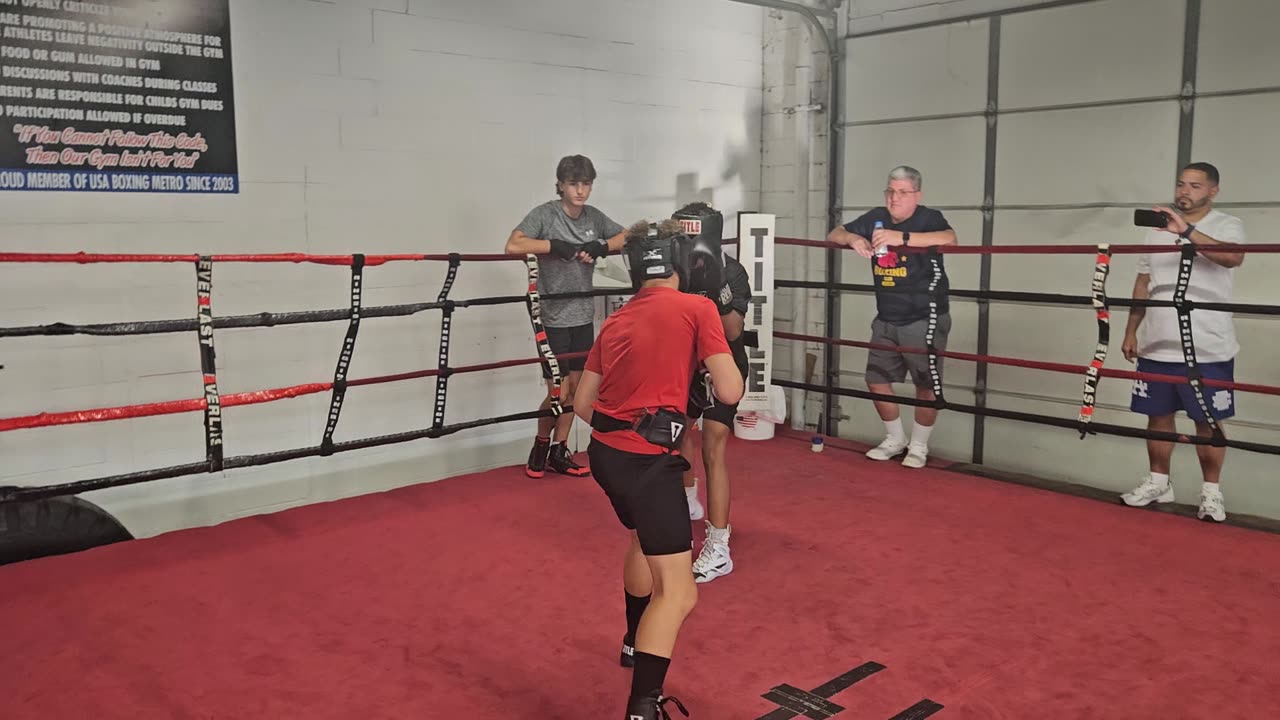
x=555 y=275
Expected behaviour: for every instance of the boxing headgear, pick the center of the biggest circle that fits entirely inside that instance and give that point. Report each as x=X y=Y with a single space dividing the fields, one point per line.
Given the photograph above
x=703 y=223
x=658 y=257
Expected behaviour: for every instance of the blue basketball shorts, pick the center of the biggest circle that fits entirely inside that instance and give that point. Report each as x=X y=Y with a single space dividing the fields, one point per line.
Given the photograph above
x=1162 y=398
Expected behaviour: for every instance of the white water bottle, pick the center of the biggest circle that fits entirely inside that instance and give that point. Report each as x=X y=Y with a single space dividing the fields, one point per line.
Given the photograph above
x=883 y=249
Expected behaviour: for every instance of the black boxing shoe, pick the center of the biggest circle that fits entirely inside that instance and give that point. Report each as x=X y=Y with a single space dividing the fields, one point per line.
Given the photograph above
x=652 y=707
x=561 y=461
x=537 y=465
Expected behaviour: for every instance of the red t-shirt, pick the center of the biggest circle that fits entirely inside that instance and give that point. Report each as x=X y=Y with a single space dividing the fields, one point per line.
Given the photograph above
x=646 y=354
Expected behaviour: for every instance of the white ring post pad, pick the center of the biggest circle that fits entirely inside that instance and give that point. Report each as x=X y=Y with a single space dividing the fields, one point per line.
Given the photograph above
x=755 y=252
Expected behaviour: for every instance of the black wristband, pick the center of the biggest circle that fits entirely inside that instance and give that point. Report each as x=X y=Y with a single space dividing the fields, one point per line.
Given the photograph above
x=1186 y=234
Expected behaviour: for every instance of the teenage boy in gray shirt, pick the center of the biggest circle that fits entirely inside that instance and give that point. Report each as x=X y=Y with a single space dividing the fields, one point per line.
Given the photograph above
x=567 y=235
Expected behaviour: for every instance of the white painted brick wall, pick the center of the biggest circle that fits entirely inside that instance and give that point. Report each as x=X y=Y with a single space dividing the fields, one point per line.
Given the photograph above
x=372 y=126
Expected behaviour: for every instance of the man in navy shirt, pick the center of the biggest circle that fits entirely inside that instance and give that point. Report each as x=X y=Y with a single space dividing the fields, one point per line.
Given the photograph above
x=902 y=282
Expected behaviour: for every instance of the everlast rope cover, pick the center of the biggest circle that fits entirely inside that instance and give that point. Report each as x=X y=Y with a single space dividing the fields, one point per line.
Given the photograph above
x=1102 y=268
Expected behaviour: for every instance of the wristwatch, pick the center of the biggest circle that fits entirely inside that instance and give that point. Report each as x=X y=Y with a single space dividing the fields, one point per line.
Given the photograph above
x=1186 y=234
x=906 y=238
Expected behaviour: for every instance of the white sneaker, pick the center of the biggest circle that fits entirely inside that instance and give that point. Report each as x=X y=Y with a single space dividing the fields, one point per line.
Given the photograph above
x=696 y=511
x=1148 y=492
x=714 y=560
x=888 y=449
x=1211 y=503
x=917 y=456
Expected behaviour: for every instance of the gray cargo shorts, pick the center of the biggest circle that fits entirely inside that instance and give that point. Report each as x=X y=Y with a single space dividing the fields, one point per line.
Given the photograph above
x=885 y=367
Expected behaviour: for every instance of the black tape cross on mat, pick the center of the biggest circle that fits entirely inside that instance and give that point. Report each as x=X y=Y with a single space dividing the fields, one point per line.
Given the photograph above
x=794 y=702
x=919 y=711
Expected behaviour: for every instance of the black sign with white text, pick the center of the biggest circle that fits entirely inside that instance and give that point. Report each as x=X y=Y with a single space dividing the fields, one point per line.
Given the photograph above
x=117 y=96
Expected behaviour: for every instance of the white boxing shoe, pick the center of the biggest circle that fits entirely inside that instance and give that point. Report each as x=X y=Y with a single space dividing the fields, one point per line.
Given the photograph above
x=714 y=560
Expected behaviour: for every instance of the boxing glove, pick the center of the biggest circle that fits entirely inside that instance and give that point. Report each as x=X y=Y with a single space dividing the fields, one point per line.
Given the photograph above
x=706 y=271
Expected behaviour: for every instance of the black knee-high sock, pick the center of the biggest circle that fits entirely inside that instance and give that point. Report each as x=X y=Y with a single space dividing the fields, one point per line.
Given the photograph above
x=635 y=609
x=649 y=674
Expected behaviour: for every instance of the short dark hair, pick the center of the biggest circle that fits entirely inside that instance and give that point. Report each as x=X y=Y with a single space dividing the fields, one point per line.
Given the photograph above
x=696 y=208
x=1210 y=171
x=574 y=168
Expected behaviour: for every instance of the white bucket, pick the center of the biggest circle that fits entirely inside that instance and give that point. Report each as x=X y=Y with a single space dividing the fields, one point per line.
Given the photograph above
x=760 y=424
x=751 y=426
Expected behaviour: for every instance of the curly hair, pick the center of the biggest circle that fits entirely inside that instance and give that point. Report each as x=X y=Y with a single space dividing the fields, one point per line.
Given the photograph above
x=666 y=228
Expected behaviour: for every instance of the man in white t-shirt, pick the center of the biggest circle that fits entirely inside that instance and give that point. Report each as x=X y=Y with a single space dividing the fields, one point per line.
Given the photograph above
x=1152 y=335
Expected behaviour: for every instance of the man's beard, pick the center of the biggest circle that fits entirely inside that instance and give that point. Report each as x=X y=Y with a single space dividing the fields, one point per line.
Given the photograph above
x=1187 y=204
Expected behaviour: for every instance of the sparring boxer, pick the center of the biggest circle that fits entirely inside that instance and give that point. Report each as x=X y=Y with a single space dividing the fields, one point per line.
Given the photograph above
x=633 y=392
x=732 y=296
x=567 y=235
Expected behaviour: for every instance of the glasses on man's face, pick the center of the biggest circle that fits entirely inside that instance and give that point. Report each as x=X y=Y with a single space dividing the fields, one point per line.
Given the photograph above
x=899 y=194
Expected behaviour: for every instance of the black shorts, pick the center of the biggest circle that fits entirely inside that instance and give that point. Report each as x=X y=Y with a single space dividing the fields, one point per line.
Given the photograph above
x=569 y=340
x=647 y=492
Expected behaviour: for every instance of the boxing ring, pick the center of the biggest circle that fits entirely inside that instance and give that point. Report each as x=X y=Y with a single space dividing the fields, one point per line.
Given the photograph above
x=863 y=590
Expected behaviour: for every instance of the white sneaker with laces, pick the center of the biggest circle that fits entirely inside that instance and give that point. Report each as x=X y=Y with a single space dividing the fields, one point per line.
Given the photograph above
x=1212 y=506
x=696 y=511
x=917 y=456
x=888 y=449
x=714 y=560
x=1148 y=492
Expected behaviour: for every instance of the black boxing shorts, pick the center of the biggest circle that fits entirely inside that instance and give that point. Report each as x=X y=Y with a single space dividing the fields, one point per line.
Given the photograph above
x=569 y=340
x=647 y=493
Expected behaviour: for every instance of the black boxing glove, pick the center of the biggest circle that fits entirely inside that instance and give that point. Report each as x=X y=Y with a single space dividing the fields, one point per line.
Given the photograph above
x=595 y=249
x=706 y=271
x=563 y=250
x=701 y=395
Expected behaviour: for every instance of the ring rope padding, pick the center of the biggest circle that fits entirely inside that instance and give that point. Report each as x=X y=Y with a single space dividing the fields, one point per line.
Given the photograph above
x=1194 y=379
x=446 y=328
x=1101 y=270
x=935 y=377
x=540 y=335
x=208 y=364
x=344 y=357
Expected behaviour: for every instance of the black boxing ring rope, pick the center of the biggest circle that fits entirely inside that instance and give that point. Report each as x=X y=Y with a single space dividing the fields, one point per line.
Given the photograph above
x=212 y=402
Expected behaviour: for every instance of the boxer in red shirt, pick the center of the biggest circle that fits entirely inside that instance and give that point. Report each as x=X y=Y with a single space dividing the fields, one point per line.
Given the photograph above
x=634 y=392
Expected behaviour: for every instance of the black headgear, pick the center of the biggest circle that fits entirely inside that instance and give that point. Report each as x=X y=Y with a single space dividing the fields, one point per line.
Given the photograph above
x=655 y=257
x=702 y=223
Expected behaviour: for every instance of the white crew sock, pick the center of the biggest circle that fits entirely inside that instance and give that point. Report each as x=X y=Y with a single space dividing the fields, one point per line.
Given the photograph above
x=1210 y=489
x=893 y=430
x=1161 y=479
x=920 y=434
x=717 y=535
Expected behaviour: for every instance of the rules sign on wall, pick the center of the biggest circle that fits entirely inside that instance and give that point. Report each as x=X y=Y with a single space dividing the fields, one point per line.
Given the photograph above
x=117 y=96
